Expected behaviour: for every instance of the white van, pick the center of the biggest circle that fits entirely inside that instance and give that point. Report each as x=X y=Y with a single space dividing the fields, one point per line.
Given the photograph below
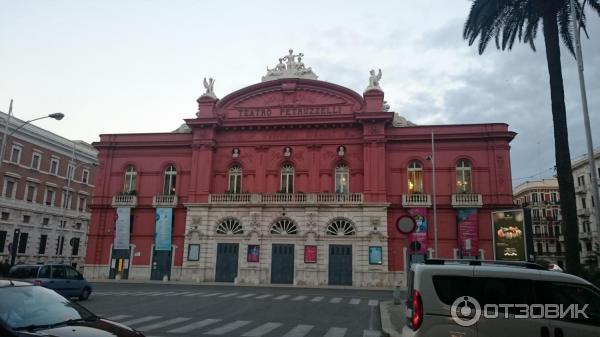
x=491 y=298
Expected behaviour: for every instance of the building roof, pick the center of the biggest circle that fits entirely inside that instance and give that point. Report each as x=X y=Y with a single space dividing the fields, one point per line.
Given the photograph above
x=530 y=186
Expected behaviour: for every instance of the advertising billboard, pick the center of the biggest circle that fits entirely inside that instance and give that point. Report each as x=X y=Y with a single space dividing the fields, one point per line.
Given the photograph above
x=509 y=235
x=164 y=223
x=417 y=240
x=122 y=226
x=468 y=232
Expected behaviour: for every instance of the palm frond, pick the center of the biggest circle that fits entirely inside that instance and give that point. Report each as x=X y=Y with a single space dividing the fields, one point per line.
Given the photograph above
x=595 y=4
x=565 y=25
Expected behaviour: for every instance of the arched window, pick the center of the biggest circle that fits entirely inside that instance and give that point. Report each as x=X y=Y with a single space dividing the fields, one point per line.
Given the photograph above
x=170 y=180
x=235 y=180
x=463 y=176
x=340 y=227
x=342 y=179
x=415 y=177
x=284 y=226
x=287 y=179
x=130 y=179
x=230 y=226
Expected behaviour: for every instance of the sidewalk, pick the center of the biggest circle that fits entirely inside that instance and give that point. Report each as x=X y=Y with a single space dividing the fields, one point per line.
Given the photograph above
x=392 y=318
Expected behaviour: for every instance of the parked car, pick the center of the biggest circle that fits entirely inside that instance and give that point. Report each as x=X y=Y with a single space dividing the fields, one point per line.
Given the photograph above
x=63 y=279
x=437 y=289
x=27 y=310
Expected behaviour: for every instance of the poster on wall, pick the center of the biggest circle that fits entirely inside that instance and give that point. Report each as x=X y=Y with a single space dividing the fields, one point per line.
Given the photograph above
x=468 y=232
x=417 y=240
x=193 y=252
x=509 y=235
x=375 y=255
x=164 y=223
x=310 y=254
x=253 y=253
x=122 y=226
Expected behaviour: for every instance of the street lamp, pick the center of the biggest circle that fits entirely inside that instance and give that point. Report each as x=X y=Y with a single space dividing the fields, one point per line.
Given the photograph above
x=57 y=115
x=435 y=229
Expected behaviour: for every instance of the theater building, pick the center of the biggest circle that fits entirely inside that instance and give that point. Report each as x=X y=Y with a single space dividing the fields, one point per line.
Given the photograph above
x=298 y=181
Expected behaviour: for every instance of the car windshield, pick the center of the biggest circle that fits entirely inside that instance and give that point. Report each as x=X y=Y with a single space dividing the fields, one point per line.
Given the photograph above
x=32 y=306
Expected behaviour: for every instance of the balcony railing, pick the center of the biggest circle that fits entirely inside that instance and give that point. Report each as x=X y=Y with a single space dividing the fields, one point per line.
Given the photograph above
x=580 y=189
x=467 y=200
x=124 y=200
x=287 y=198
x=583 y=212
x=416 y=200
x=164 y=200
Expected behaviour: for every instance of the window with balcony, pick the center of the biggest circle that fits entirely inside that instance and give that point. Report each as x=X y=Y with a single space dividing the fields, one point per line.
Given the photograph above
x=36 y=158
x=130 y=179
x=342 y=179
x=287 y=179
x=415 y=177
x=170 y=180
x=463 y=176
x=15 y=155
x=54 y=166
x=235 y=180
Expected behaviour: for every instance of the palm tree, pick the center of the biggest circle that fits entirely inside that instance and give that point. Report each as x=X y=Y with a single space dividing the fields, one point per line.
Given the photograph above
x=506 y=21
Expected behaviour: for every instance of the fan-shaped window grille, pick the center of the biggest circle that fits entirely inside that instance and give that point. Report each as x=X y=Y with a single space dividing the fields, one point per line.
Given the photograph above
x=341 y=227
x=230 y=226
x=284 y=226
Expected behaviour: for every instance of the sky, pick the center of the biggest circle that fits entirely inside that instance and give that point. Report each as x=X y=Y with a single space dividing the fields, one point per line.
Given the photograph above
x=138 y=66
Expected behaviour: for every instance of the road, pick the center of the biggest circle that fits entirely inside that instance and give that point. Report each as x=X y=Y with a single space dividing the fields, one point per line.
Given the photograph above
x=169 y=310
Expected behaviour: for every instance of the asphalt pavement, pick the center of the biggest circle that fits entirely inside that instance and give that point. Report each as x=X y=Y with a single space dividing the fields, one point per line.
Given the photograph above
x=195 y=310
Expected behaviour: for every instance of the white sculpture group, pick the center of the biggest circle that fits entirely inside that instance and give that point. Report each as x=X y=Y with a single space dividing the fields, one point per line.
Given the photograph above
x=210 y=87
x=293 y=67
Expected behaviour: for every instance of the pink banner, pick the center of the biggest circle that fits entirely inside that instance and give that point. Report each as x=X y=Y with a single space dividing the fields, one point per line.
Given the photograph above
x=417 y=241
x=468 y=231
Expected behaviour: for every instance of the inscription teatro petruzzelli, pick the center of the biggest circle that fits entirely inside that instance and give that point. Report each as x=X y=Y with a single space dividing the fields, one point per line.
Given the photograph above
x=290 y=111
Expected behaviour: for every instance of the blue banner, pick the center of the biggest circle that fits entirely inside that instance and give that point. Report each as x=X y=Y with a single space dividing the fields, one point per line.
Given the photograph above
x=122 y=225
x=162 y=236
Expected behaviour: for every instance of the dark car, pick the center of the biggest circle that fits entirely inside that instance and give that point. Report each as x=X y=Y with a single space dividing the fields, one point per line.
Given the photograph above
x=27 y=310
x=61 y=278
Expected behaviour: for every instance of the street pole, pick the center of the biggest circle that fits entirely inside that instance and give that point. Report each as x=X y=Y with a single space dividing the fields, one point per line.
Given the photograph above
x=435 y=229
x=586 y=118
x=5 y=135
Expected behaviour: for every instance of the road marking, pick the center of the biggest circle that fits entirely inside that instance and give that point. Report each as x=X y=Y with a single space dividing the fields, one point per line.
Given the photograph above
x=280 y=297
x=299 y=331
x=336 y=332
x=371 y=333
x=263 y=296
x=178 y=294
x=161 y=293
x=373 y=303
x=317 y=299
x=163 y=324
x=195 y=294
x=229 y=295
x=298 y=298
x=195 y=325
x=212 y=294
x=336 y=300
x=118 y=317
x=246 y=296
x=140 y=320
x=227 y=328
x=355 y=301
x=262 y=330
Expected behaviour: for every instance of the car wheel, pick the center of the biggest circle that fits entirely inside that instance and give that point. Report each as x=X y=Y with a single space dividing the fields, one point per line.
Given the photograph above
x=85 y=294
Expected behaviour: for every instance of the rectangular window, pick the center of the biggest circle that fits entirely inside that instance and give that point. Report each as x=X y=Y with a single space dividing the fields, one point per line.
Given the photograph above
x=63 y=224
x=36 y=158
x=583 y=203
x=54 y=166
x=77 y=225
x=536 y=214
x=23 y=243
x=60 y=242
x=66 y=200
x=2 y=240
x=42 y=247
x=45 y=221
x=9 y=188
x=554 y=198
x=26 y=218
x=554 y=214
x=81 y=204
x=85 y=176
x=31 y=193
x=5 y=215
x=75 y=244
x=534 y=197
x=15 y=156
x=49 y=197
x=70 y=171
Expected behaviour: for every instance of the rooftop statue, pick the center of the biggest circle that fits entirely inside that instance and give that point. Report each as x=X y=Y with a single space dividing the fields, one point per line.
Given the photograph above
x=209 y=86
x=292 y=68
x=374 y=80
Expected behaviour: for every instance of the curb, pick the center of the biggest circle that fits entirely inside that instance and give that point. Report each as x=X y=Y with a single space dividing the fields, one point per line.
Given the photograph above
x=386 y=321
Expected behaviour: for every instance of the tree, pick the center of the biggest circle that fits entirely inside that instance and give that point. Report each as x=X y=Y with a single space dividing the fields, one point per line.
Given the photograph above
x=506 y=21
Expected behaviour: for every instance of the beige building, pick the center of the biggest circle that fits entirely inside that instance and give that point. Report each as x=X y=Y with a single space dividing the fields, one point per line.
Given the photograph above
x=542 y=198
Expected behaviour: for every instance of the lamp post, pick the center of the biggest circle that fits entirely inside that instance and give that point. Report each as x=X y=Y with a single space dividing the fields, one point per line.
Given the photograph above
x=58 y=116
x=435 y=229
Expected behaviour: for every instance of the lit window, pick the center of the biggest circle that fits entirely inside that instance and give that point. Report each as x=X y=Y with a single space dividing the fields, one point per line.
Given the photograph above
x=170 y=180
x=235 y=180
x=130 y=179
x=342 y=179
x=287 y=179
x=415 y=177
x=463 y=176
